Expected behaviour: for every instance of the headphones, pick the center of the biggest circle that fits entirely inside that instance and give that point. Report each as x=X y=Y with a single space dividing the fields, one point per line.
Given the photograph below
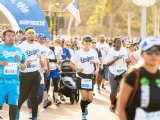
x=3 y=38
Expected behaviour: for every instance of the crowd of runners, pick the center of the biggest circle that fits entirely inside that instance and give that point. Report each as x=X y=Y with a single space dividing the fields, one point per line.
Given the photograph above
x=30 y=64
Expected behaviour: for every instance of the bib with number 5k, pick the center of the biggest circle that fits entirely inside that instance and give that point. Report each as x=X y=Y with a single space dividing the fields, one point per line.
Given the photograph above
x=86 y=83
x=121 y=68
x=52 y=66
x=11 y=68
x=143 y=115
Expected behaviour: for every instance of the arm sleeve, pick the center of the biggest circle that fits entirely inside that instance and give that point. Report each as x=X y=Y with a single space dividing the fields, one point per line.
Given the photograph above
x=99 y=53
x=130 y=78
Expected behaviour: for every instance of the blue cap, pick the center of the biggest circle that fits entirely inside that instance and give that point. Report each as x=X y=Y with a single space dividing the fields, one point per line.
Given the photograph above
x=46 y=40
x=63 y=40
x=41 y=35
x=122 y=38
x=23 y=39
x=149 y=42
x=86 y=36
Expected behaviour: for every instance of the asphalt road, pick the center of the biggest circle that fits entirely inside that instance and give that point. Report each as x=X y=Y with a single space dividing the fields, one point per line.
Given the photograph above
x=98 y=109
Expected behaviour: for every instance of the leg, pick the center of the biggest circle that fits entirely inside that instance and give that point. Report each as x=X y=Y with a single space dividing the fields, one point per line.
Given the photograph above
x=84 y=94
x=55 y=91
x=13 y=112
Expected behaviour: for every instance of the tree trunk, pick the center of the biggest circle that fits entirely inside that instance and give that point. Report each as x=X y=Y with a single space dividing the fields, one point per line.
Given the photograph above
x=112 y=25
x=155 y=22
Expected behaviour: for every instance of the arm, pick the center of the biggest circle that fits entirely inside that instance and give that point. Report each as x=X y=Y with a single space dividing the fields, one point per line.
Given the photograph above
x=133 y=61
x=97 y=68
x=48 y=67
x=72 y=65
x=111 y=62
x=125 y=92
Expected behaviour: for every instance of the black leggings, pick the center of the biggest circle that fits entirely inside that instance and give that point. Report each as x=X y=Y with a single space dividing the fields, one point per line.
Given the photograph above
x=47 y=85
x=55 y=84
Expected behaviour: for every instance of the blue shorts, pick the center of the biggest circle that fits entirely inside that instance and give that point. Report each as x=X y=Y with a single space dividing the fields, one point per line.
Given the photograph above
x=53 y=74
x=102 y=72
x=10 y=90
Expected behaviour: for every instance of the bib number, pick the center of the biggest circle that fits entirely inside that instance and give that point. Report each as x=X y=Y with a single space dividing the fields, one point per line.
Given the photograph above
x=52 y=66
x=86 y=83
x=121 y=68
x=143 y=115
x=10 y=69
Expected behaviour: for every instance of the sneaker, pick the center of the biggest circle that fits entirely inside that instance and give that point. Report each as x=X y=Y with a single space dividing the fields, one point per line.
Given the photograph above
x=17 y=117
x=34 y=118
x=30 y=116
x=103 y=88
x=99 y=90
x=84 y=117
x=62 y=98
x=57 y=102
x=112 y=108
x=86 y=110
x=1 y=116
x=47 y=103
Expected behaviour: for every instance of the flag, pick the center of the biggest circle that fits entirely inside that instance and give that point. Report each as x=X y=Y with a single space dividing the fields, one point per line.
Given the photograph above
x=73 y=8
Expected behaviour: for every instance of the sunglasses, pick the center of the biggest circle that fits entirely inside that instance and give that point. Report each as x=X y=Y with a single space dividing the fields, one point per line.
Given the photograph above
x=94 y=42
x=88 y=40
x=132 y=46
x=150 y=52
x=68 y=45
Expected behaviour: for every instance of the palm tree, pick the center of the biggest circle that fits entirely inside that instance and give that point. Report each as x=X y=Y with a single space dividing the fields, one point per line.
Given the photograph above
x=113 y=7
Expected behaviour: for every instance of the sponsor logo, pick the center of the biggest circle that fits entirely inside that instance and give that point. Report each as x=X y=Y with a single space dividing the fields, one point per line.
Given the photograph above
x=158 y=82
x=23 y=7
x=10 y=54
x=29 y=22
x=121 y=56
x=51 y=52
x=83 y=60
x=33 y=52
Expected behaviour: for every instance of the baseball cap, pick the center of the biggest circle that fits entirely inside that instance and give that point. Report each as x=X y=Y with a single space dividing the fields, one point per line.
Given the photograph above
x=40 y=35
x=86 y=37
x=46 y=40
x=140 y=40
x=63 y=40
x=149 y=42
x=122 y=38
x=23 y=39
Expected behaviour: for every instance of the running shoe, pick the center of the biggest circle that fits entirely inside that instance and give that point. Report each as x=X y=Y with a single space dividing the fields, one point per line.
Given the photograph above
x=86 y=110
x=30 y=116
x=1 y=116
x=57 y=102
x=84 y=117
x=103 y=88
x=99 y=90
x=47 y=103
x=62 y=98
x=34 y=118
x=112 y=108
x=17 y=117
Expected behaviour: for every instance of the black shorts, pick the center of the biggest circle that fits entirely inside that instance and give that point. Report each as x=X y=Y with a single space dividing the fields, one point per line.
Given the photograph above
x=79 y=84
x=45 y=81
x=102 y=72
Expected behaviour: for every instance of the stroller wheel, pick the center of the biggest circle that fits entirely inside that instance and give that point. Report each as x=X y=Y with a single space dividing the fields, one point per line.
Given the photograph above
x=72 y=98
x=77 y=96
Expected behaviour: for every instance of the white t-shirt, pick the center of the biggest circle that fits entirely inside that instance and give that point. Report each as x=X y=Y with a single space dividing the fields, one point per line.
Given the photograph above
x=51 y=56
x=118 y=66
x=86 y=60
x=57 y=52
x=32 y=53
x=44 y=51
x=137 y=56
x=71 y=52
x=104 y=49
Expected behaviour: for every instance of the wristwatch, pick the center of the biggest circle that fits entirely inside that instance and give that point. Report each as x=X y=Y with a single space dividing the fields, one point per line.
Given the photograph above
x=24 y=65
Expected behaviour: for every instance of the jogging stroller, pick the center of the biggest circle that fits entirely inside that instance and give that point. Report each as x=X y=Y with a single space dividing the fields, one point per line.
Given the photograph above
x=68 y=82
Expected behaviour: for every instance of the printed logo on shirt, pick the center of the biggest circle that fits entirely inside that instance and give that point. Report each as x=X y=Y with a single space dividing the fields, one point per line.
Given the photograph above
x=121 y=56
x=43 y=52
x=91 y=62
x=7 y=54
x=102 y=48
x=33 y=52
x=51 y=52
x=145 y=92
x=158 y=82
x=83 y=60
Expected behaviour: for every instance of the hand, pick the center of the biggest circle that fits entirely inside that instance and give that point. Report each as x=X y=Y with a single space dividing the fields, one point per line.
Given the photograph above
x=4 y=63
x=58 y=61
x=42 y=64
x=95 y=73
x=127 y=61
x=48 y=73
x=117 y=58
x=101 y=67
x=22 y=66
x=28 y=63
x=80 y=70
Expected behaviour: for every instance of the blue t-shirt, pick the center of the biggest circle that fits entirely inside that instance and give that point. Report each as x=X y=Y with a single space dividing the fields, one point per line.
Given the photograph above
x=14 y=55
x=65 y=54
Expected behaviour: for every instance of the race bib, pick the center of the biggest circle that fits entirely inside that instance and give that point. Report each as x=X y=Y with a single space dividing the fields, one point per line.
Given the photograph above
x=10 y=69
x=34 y=64
x=52 y=66
x=86 y=83
x=143 y=115
x=121 y=68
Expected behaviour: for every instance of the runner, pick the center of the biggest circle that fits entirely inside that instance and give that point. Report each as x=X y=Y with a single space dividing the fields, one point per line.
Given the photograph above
x=85 y=76
x=116 y=60
x=30 y=77
x=104 y=50
x=144 y=104
x=12 y=59
x=68 y=46
x=66 y=54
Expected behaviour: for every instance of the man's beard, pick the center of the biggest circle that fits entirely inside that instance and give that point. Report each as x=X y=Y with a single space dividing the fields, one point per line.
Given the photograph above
x=102 y=40
x=32 y=40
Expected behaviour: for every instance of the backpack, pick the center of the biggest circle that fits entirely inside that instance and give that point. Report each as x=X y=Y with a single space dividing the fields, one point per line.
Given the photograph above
x=135 y=86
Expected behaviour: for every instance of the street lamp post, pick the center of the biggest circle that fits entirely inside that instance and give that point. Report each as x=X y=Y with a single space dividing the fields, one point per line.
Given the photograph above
x=50 y=5
x=60 y=6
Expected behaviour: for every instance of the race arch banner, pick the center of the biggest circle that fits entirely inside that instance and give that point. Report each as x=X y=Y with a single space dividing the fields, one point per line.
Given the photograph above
x=23 y=13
